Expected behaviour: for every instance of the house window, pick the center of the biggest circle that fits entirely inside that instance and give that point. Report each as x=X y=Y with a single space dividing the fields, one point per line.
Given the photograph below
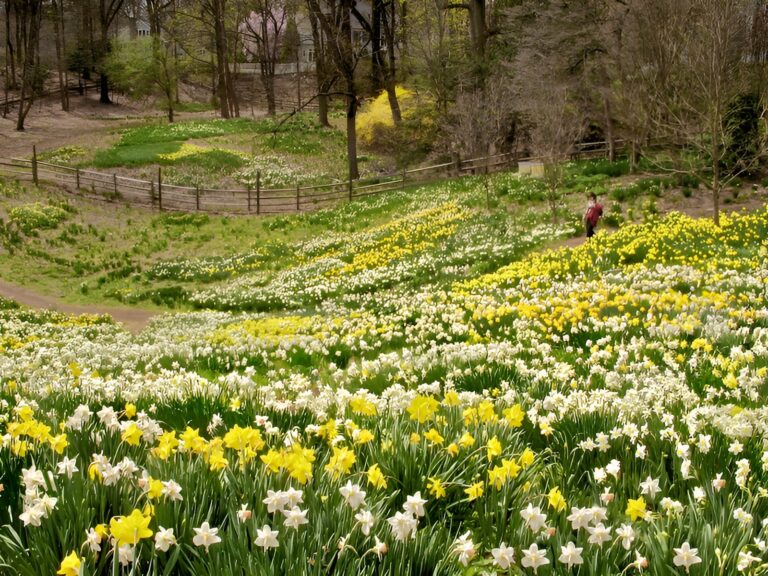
x=309 y=55
x=358 y=37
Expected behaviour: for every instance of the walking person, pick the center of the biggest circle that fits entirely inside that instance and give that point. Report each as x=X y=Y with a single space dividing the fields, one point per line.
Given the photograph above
x=592 y=214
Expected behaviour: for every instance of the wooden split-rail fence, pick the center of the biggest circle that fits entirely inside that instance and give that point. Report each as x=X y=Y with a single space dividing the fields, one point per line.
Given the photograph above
x=256 y=199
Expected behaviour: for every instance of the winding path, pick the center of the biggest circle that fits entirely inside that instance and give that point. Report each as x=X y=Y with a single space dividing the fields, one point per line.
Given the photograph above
x=134 y=319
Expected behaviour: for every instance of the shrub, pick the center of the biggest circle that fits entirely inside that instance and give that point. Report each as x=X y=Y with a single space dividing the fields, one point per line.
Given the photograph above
x=687 y=181
x=32 y=217
x=409 y=141
x=63 y=155
x=604 y=167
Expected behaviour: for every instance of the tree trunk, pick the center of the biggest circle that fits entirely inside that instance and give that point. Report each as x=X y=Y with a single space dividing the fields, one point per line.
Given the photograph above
x=390 y=21
x=354 y=172
x=477 y=28
x=231 y=87
x=103 y=79
x=634 y=155
x=394 y=105
x=377 y=72
x=268 y=82
x=10 y=57
x=221 y=59
x=32 y=15
x=6 y=84
x=104 y=89
x=716 y=183
x=609 y=131
x=58 y=23
x=321 y=73
x=322 y=109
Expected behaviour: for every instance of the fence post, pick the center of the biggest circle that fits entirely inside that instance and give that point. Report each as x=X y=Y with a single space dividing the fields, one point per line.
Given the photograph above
x=114 y=183
x=402 y=182
x=34 y=164
x=457 y=164
x=197 y=197
x=298 y=207
x=77 y=178
x=152 y=193
x=349 y=185
x=159 y=188
x=248 y=188
x=258 y=192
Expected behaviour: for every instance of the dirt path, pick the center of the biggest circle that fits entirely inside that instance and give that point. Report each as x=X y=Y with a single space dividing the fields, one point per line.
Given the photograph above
x=134 y=320
x=88 y=124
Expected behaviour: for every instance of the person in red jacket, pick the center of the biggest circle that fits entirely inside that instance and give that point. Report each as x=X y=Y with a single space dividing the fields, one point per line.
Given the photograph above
x=592 y=214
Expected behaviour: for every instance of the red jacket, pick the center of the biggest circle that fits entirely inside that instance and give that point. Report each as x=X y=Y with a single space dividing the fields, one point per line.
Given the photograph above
x=593 y=214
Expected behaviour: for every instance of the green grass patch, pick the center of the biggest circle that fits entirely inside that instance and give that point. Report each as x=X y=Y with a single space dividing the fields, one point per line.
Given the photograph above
x=180 y=131
x=133 y=155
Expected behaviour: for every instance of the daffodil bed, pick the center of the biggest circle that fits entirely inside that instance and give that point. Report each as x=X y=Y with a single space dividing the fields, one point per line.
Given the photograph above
x=595 y=410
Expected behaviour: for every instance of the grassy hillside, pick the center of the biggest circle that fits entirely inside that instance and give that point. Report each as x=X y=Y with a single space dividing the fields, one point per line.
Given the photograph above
x=403 y=385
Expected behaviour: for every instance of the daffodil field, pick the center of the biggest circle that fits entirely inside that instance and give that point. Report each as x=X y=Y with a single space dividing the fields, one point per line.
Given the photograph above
x=416 y=398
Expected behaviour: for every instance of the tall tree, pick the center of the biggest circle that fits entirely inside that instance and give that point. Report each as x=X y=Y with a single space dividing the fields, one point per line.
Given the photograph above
x=325 y=74
x=145 y=67
x=480 y=122
x=57 y=16
x=262 y=32
x=335 y=19
x=27 y=16
x=156 y=12
x=108 y=11
x=436 y=51
x=701 y=76
x=214 y=14
x=381 y=30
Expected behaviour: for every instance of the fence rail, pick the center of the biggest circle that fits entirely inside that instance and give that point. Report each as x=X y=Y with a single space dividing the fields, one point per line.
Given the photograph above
x=14 y=99
x=253 y=200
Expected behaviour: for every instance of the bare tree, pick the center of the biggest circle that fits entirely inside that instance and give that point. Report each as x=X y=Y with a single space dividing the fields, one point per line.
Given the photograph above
x=697 y=87
x=156 y=11
x=262 y=33
x=108 y=11
x=28 y=18
x=57 y=16
x=324 y=71
x=382 y=29
x=215 y=21
x=436 y=49
x=481 y=121
x=334 y=18
x=555 y=60
x=556 y=124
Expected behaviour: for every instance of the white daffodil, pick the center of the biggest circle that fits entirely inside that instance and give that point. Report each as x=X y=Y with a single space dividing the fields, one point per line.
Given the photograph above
x=464 y=548
x=353 y=495
x=266 y=538
x=414 y=505
x=164 y=539
x=172 y=491
x=627 y=535
x=570 y=555
x=686 y=556
x=206 y=536
x=503 y=556
x=295 y=517
x=599 y=534
x=67 y=467
x=366 y=520
x=533 y=517
x=534 y=558
x=403 y=526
